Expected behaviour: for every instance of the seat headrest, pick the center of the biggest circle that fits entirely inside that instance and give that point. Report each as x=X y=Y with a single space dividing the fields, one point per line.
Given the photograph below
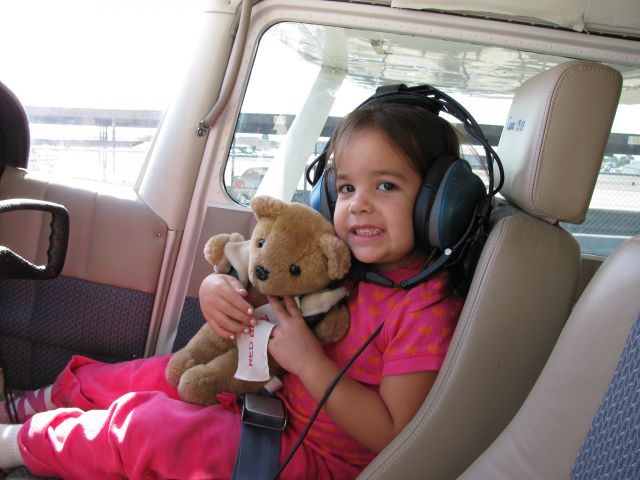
x=553 y=142
x=14 y=130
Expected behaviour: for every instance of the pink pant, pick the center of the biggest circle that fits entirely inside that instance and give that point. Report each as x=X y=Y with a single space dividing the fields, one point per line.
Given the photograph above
x=125 y=421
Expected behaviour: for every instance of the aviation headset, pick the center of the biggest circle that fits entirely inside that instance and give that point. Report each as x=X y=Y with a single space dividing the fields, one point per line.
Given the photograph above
x=452 y=202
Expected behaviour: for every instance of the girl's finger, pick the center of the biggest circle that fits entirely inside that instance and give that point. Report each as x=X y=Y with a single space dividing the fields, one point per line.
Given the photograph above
x=218 y=325
x=231 y=326
x=221 y=332
x=237 y=313
x=291 y=305
x=282 y=309
x=277 y=306
x=234 y=303
x=235 y=283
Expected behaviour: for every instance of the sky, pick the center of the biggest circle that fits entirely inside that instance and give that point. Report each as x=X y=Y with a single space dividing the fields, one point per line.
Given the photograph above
x=113 y=53
x=127 y=54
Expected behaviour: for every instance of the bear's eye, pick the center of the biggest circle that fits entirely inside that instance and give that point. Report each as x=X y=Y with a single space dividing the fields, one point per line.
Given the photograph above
x=261 y=243
x=294 y=270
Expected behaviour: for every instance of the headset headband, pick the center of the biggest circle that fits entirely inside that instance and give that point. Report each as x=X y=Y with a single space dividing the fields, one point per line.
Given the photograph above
x=435 y=101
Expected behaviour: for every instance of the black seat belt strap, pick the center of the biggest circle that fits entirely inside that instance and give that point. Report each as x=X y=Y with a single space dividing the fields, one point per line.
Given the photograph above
x=263 y=419
x=258 y=453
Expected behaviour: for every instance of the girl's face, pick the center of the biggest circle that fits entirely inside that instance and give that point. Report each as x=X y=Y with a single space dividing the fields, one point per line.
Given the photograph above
x=377 y=188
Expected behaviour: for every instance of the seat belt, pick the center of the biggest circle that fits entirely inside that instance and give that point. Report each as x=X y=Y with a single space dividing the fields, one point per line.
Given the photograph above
x=259 y=447
x=263 y=419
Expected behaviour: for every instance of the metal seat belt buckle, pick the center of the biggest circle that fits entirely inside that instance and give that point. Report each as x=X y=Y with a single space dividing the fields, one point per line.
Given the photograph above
x=264 y=412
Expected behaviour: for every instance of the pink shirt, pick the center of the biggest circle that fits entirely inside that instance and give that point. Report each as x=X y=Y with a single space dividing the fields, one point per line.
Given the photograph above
x=418 y=325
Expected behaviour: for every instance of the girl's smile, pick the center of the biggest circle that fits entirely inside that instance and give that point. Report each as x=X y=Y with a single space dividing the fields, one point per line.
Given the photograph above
x=365 y=231
x=377 y=187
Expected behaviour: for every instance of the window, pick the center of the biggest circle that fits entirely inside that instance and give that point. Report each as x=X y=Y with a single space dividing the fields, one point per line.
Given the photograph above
x=286 y=120
x=614 y=211
x=93 y=91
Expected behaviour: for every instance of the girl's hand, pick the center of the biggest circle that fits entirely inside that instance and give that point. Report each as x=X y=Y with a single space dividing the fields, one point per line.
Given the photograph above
x=293 y=344
x=223 y=305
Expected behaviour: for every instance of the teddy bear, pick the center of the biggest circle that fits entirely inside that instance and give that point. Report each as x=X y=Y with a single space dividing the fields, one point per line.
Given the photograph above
x=293 y=250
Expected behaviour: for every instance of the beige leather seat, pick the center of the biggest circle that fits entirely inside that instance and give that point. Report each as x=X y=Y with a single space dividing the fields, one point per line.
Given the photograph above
x=582 y=417
x=526 y=279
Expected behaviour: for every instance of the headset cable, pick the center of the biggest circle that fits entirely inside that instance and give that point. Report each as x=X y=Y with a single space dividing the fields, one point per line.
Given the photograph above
x=324 y=398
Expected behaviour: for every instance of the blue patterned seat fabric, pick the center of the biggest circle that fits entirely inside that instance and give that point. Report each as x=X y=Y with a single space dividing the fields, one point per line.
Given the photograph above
x=611 y=449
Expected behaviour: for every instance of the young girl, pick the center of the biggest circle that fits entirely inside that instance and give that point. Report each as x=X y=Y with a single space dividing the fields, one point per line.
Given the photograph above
x=127 y=422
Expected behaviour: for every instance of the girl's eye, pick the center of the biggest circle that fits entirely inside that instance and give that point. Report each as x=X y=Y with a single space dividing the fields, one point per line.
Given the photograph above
x=386 y=186
x=345 y=188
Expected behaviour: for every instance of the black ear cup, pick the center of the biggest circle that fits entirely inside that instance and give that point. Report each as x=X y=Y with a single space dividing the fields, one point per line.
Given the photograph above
x=446 y=203
x=455 y=205
x=426 y=196
x=324 y=195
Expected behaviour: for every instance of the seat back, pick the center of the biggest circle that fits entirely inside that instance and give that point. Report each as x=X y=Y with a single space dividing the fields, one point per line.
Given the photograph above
x=581 y=419
x=526 y=278
x=14 y=130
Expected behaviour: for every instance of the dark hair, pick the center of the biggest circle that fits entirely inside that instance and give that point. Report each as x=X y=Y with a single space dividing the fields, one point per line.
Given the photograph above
x=418 y=133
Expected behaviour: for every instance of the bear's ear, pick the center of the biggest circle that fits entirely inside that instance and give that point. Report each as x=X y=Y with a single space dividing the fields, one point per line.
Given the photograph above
x=214 y=250
x=265 y=206
x=338 y=255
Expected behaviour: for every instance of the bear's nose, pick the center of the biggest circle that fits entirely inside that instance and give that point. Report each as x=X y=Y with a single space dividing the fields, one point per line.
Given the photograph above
x=262 y=273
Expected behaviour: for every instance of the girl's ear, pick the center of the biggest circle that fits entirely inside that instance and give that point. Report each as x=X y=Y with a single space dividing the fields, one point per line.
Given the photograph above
x=265 y=206
x=338 y=255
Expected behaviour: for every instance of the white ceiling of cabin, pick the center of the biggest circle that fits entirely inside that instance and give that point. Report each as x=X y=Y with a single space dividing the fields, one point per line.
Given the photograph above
x=376 y=58
x=620 y=17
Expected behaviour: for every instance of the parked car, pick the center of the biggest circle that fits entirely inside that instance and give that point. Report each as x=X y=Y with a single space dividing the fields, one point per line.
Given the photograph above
x=244 y=186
